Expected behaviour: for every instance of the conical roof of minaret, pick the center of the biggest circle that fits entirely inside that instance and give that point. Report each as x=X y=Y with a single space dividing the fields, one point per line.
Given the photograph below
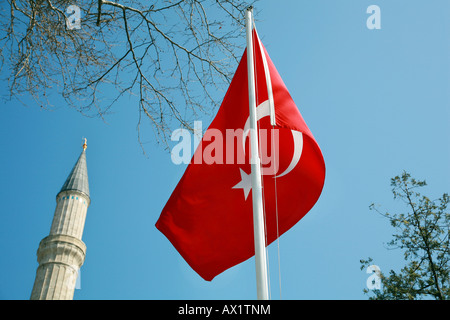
x=78 y=177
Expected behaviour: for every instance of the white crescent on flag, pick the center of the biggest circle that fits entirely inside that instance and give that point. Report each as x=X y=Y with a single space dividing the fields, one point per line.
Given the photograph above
x=263 y=110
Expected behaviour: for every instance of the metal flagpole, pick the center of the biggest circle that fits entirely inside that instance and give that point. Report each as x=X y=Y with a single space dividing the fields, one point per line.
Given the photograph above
x=258 y=219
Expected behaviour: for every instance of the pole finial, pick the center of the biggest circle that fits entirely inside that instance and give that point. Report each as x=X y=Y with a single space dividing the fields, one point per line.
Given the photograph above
x=85 y=144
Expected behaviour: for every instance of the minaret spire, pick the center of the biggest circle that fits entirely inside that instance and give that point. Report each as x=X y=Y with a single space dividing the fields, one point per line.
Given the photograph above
x=78 y=177
x=62 y=252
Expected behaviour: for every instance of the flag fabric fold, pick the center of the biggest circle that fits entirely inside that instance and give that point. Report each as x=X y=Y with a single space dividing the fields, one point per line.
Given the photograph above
x=208 y=218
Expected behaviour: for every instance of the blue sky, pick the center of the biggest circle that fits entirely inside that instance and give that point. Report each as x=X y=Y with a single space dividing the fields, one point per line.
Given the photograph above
x=377 y=102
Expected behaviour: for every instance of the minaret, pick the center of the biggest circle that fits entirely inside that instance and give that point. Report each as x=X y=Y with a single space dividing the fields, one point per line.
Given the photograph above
x=61 y=253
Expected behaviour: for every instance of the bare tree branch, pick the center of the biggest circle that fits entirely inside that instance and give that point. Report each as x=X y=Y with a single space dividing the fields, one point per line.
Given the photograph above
x=173 y=58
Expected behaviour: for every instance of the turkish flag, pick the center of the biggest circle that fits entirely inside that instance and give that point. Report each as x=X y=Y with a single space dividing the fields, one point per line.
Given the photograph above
x=208 y=218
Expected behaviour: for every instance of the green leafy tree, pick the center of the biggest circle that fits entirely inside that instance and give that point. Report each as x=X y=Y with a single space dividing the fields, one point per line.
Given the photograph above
x=422 y=233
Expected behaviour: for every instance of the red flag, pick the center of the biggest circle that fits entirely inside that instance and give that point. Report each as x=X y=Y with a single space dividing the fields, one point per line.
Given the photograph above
x=208 y=218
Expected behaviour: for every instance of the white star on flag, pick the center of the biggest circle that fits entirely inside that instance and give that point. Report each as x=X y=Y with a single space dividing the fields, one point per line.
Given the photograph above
x=245 y=183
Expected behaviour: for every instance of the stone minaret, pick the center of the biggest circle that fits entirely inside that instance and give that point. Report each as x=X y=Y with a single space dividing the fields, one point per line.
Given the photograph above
x=61 y=253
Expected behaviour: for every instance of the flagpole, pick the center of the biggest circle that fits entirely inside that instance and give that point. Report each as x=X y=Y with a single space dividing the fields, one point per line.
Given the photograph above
x=258 y=219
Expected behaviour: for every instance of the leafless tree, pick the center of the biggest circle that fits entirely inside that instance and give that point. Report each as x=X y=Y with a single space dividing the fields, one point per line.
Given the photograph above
x=173 y=57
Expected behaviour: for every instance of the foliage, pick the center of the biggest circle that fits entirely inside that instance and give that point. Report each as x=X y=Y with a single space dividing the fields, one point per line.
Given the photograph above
x=422 y=233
